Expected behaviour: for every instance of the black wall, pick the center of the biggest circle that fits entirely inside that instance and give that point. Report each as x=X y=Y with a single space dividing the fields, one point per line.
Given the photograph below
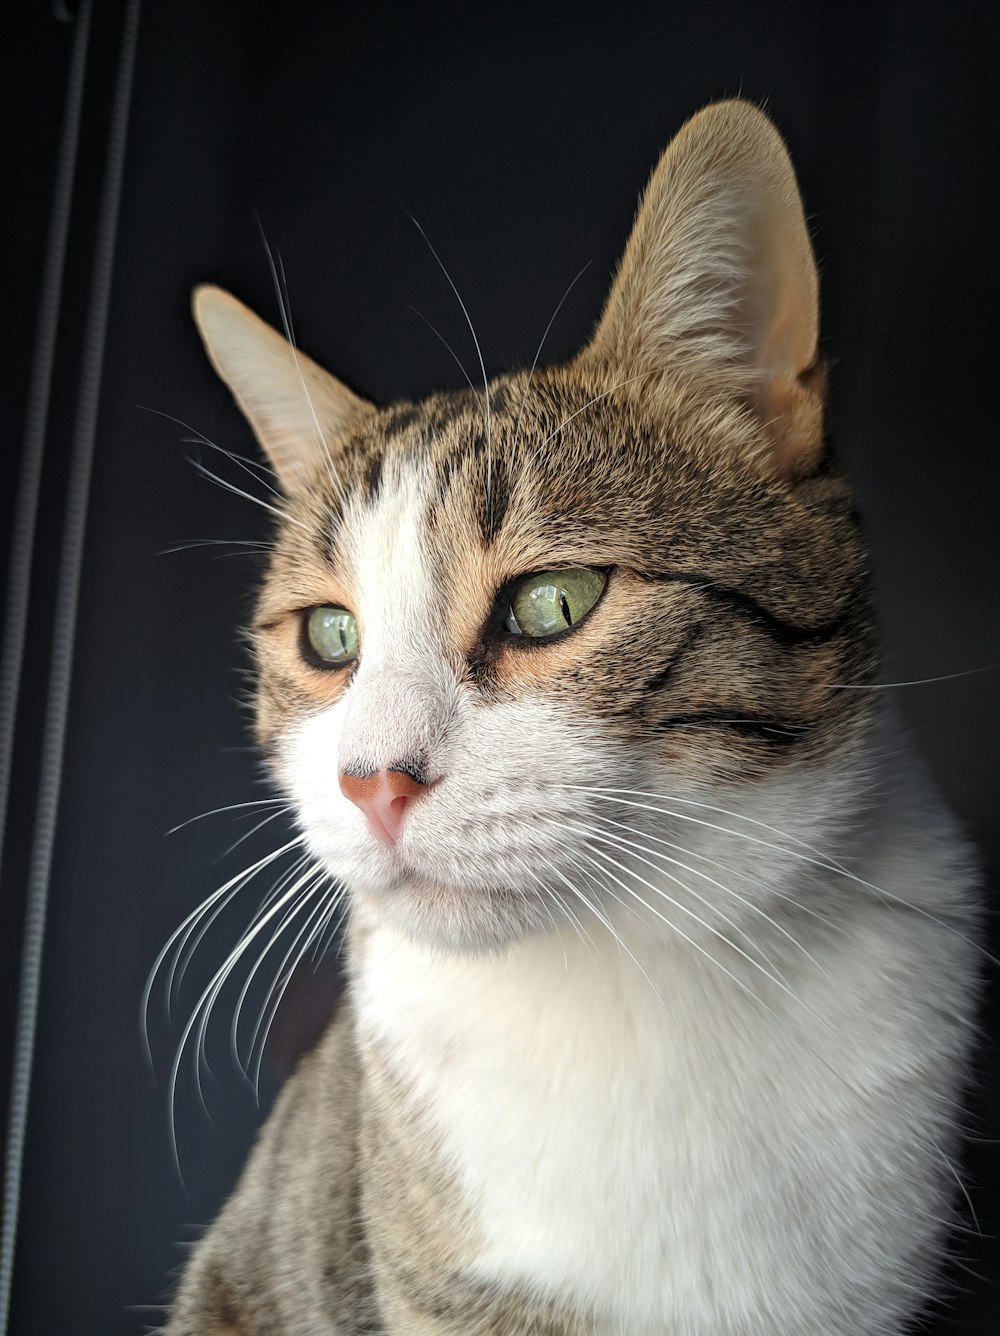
x=519 y=136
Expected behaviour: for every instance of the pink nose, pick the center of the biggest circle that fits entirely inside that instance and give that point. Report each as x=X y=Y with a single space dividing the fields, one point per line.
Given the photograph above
x=384 y=797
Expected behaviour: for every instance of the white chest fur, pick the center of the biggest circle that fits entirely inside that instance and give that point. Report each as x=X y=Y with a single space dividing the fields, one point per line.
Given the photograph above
x=642 y=1138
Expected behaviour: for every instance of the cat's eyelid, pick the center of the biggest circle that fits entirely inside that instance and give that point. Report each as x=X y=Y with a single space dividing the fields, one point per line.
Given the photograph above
x=273 y=621
x=515 y=581
x=323 y=603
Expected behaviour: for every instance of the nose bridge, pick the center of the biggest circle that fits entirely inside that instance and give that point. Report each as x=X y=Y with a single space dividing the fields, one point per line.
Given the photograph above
x=394 y=571
x=403 y=692
x=386 y=756
x=394 y=718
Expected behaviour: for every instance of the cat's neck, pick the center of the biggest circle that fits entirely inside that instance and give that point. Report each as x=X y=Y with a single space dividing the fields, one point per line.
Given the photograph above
x=596 y=987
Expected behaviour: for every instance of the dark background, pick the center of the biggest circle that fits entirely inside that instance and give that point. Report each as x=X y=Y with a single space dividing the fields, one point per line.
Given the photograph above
x=520 y=137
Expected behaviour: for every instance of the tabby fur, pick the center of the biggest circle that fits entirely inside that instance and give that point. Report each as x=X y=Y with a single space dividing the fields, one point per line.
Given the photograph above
x=658 y=1011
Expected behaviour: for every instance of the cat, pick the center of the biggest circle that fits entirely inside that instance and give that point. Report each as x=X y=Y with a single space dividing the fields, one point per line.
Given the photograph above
x=661 y=947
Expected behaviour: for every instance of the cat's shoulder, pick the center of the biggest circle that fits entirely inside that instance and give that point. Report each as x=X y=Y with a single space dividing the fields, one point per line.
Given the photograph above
x=295 y=1206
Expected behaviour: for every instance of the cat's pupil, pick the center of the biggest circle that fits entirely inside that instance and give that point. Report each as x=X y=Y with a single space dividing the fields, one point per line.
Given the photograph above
x=553 y=601
x=333 y=635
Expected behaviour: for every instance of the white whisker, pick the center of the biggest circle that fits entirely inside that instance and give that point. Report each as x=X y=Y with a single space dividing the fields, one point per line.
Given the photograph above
x=612 y=862
x=331 y=926
x=307 y=883
x=608 y=925
x=618 y=842
x=190 y=544
x=313 y=926
x=186 y=952
x=438 y=335
x=589 y=404
x=585 y=937
x=915 y=682
x=253 y=467
x=181 y=933
x=538 y=350
x=265 y=821
x=247 y=465
x=230 y=807
x=820 y=860
x=205 y=1002
x=727 y=890
x=286 y=321
x=475 y=340
x=280 y=514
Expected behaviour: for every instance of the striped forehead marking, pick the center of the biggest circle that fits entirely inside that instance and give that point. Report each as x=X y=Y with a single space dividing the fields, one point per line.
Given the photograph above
x=392 y=568
x=448 y=434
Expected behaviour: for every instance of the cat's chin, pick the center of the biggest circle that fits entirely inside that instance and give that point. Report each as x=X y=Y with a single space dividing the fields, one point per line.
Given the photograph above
x=465 y=919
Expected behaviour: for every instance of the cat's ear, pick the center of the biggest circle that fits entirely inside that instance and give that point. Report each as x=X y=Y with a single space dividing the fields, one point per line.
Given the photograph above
x=296 y=409
x=718 y=278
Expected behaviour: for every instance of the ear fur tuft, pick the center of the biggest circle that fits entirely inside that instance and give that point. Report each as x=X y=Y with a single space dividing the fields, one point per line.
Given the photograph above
x=296 y=409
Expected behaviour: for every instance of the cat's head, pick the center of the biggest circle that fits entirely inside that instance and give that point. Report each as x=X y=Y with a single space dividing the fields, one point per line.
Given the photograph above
x=491 y=616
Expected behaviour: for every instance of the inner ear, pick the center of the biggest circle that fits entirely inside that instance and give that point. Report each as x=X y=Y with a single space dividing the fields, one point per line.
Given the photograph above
x=296 y=409
x=791 y=413
x=780 y=302
x=718 y=278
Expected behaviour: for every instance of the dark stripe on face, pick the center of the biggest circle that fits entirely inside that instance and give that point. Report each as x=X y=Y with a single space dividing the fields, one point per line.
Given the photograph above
x=373 y=476
x=496 y=502
x=399 y=423
x=498 y=400
x=445 y=411
x=660 y=679
x=781 y=732
x=782 y=630
x=328 y=547
x=448 y=469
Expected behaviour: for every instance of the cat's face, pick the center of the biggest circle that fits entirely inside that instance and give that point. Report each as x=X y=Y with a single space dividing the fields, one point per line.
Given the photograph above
x=639 y=573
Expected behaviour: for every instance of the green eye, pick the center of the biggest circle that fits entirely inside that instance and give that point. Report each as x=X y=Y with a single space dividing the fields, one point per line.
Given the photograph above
x=333 y=635
x=551 y=601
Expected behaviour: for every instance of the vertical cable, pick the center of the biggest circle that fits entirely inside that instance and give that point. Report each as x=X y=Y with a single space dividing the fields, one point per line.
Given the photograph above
x=23 y=539
x=61 y=663
x=37 y=418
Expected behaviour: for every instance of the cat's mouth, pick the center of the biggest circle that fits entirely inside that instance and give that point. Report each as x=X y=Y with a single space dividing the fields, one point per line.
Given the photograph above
x=463 y=917
x=412 y=877
x=455 y=903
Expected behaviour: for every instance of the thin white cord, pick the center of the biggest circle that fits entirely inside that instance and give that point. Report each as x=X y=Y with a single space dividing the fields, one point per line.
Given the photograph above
x=67 y=597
